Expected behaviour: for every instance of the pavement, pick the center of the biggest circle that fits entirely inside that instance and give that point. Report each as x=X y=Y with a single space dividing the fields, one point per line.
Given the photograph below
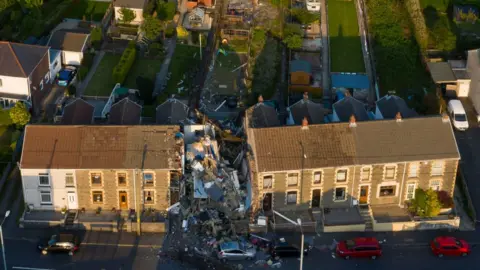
x=161 y=77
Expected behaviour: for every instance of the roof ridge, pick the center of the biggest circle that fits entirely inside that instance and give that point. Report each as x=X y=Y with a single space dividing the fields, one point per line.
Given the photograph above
x=16 y=59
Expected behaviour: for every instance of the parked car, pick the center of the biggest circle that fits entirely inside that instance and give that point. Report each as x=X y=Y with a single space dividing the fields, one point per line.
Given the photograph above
x=235 y=250
x=60 y=243
x=365 y=247
x=284 y=249
x=449 y=246
x=66 y=75
x=457 y=114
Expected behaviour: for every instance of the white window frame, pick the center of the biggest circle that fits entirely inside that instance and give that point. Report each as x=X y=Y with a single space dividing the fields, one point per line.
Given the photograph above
x=286 y=196
x=370 y=168
x=394 y=172
x=321 y=178
x=417 y=169
x=263 y=178
x=126 y=179
x=42 y=192
x=346 y=193
x=346 y=175
x=153 y=197
x=144 y=180
x=47 y=77
x=414 y=184
x=287 y=179
x=90 y=175
x=432 y=168
x=40 y=175
x=386 y=184
x=41 y=85
x=439 y=184
x=93 y=198
x=67 y=175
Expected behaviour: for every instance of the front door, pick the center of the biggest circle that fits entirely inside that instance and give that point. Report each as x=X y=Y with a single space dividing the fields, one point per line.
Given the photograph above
x=72 y=200
x=267 y=202
x=364 y=192
x=123 y=200
x=316 y=195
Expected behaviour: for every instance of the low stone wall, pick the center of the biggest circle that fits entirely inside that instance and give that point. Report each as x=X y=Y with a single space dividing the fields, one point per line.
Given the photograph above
x=423 y=225
x=35 y=224
x=345 y=228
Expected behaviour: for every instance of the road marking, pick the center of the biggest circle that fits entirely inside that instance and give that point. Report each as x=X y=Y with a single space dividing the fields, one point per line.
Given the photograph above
x=92 y=244
x=30 y=268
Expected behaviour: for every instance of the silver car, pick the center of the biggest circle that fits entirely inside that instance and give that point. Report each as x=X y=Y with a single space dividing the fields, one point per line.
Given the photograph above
x=235 y=250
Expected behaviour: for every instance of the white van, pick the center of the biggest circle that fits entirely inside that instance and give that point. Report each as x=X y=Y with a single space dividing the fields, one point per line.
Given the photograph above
x=457 y=114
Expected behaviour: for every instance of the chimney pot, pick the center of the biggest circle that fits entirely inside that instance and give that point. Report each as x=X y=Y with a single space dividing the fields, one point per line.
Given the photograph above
x=353 y=121
x=305 y=123
x=398 y=117
x=260 y=99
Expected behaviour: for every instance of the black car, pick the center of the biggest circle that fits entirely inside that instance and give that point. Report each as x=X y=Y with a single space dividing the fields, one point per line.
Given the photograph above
x=60 y=243
x=287 y=250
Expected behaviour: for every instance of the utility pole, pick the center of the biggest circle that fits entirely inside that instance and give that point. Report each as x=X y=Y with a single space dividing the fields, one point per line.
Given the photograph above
x=200 y=38
x=135 y=199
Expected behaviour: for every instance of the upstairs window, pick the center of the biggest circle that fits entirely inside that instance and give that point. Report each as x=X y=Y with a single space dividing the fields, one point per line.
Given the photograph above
x=267 y=182
x=148 y=179
x=317 y=178
x=365 y=174
x=43 y=179
x=292 y=179
x=341 y=176
x=437 y=168
x=390 y=172
x=69 y=181
x=122 y=179
x=96 y=179
x=413 y=170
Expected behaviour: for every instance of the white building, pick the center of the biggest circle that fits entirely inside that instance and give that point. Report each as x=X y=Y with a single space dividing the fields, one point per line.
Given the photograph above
x=49 y=189
x=313 y=5
x=71 y=44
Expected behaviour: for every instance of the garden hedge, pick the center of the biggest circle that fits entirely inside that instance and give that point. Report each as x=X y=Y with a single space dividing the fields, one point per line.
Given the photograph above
x=121 y=70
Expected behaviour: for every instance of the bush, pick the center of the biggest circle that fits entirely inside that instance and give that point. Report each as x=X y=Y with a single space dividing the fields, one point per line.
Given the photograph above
x=170 y=31
x=121 y=70
x=166 y=10
x=425 y=203
x=445 y=199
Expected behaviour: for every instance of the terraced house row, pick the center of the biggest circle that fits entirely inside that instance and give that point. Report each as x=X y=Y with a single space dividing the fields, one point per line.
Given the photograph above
x=107 y=167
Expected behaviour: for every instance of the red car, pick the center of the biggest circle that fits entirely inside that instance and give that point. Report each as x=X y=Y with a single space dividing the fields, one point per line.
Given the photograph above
x=449 y=246
x=365 y=247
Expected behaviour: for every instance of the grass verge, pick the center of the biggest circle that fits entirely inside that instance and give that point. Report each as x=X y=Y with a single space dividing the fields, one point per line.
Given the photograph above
x=102 y=81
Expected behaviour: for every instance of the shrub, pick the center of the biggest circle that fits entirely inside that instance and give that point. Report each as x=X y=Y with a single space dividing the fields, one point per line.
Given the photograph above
x=121 y=70
x=170 y=31
x=166 y=10
x=445 y=199
x=425 y=203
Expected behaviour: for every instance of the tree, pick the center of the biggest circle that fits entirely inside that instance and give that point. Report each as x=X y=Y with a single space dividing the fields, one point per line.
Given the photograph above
x=20 y=115
x=304 y=16
x=33 y=3
x=292 y=29
x=96 y=38
x=293 y=41
x=152 y=27
x=166 y=10
x=127 y=15
x=425 y=203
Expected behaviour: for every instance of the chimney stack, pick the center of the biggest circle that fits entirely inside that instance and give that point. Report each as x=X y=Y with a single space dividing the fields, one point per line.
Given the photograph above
x=305 y=96
x=260 y=99
x=398 y=117
x=353 y=121
x=305 y=123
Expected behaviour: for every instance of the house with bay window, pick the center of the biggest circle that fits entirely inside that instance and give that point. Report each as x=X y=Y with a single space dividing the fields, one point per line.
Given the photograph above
x=107 y=167
x=354 y=173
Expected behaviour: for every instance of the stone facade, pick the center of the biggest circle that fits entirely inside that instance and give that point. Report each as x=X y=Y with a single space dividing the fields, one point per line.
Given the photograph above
x=111 y=189
x=400 y=179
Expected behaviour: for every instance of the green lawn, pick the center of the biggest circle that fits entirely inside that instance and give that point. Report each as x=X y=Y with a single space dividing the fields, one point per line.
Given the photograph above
x=345 y=47
x=102 y=81
x=397 y=54
x=143 y=67
x=92 y=10
x=222 y=72
x=184 y=62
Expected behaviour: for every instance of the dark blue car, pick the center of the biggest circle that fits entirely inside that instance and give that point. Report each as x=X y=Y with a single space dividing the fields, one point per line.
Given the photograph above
x=66 y=75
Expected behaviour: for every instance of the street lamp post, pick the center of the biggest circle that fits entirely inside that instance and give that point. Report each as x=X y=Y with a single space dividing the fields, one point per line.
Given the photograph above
x=1 y=239
x=298 y=223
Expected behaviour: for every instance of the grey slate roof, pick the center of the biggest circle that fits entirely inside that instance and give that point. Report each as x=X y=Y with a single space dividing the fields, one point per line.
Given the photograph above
x=19 y=60
x=125 y=112
x=348 y=106
x=314 y=112
x=172 y=111
x=390 y=105
x=137 y=4
x=77 y=112
x=300 y=65
x=68 y=40
x=441 y=72
x=339 y=144
x=262 y=115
